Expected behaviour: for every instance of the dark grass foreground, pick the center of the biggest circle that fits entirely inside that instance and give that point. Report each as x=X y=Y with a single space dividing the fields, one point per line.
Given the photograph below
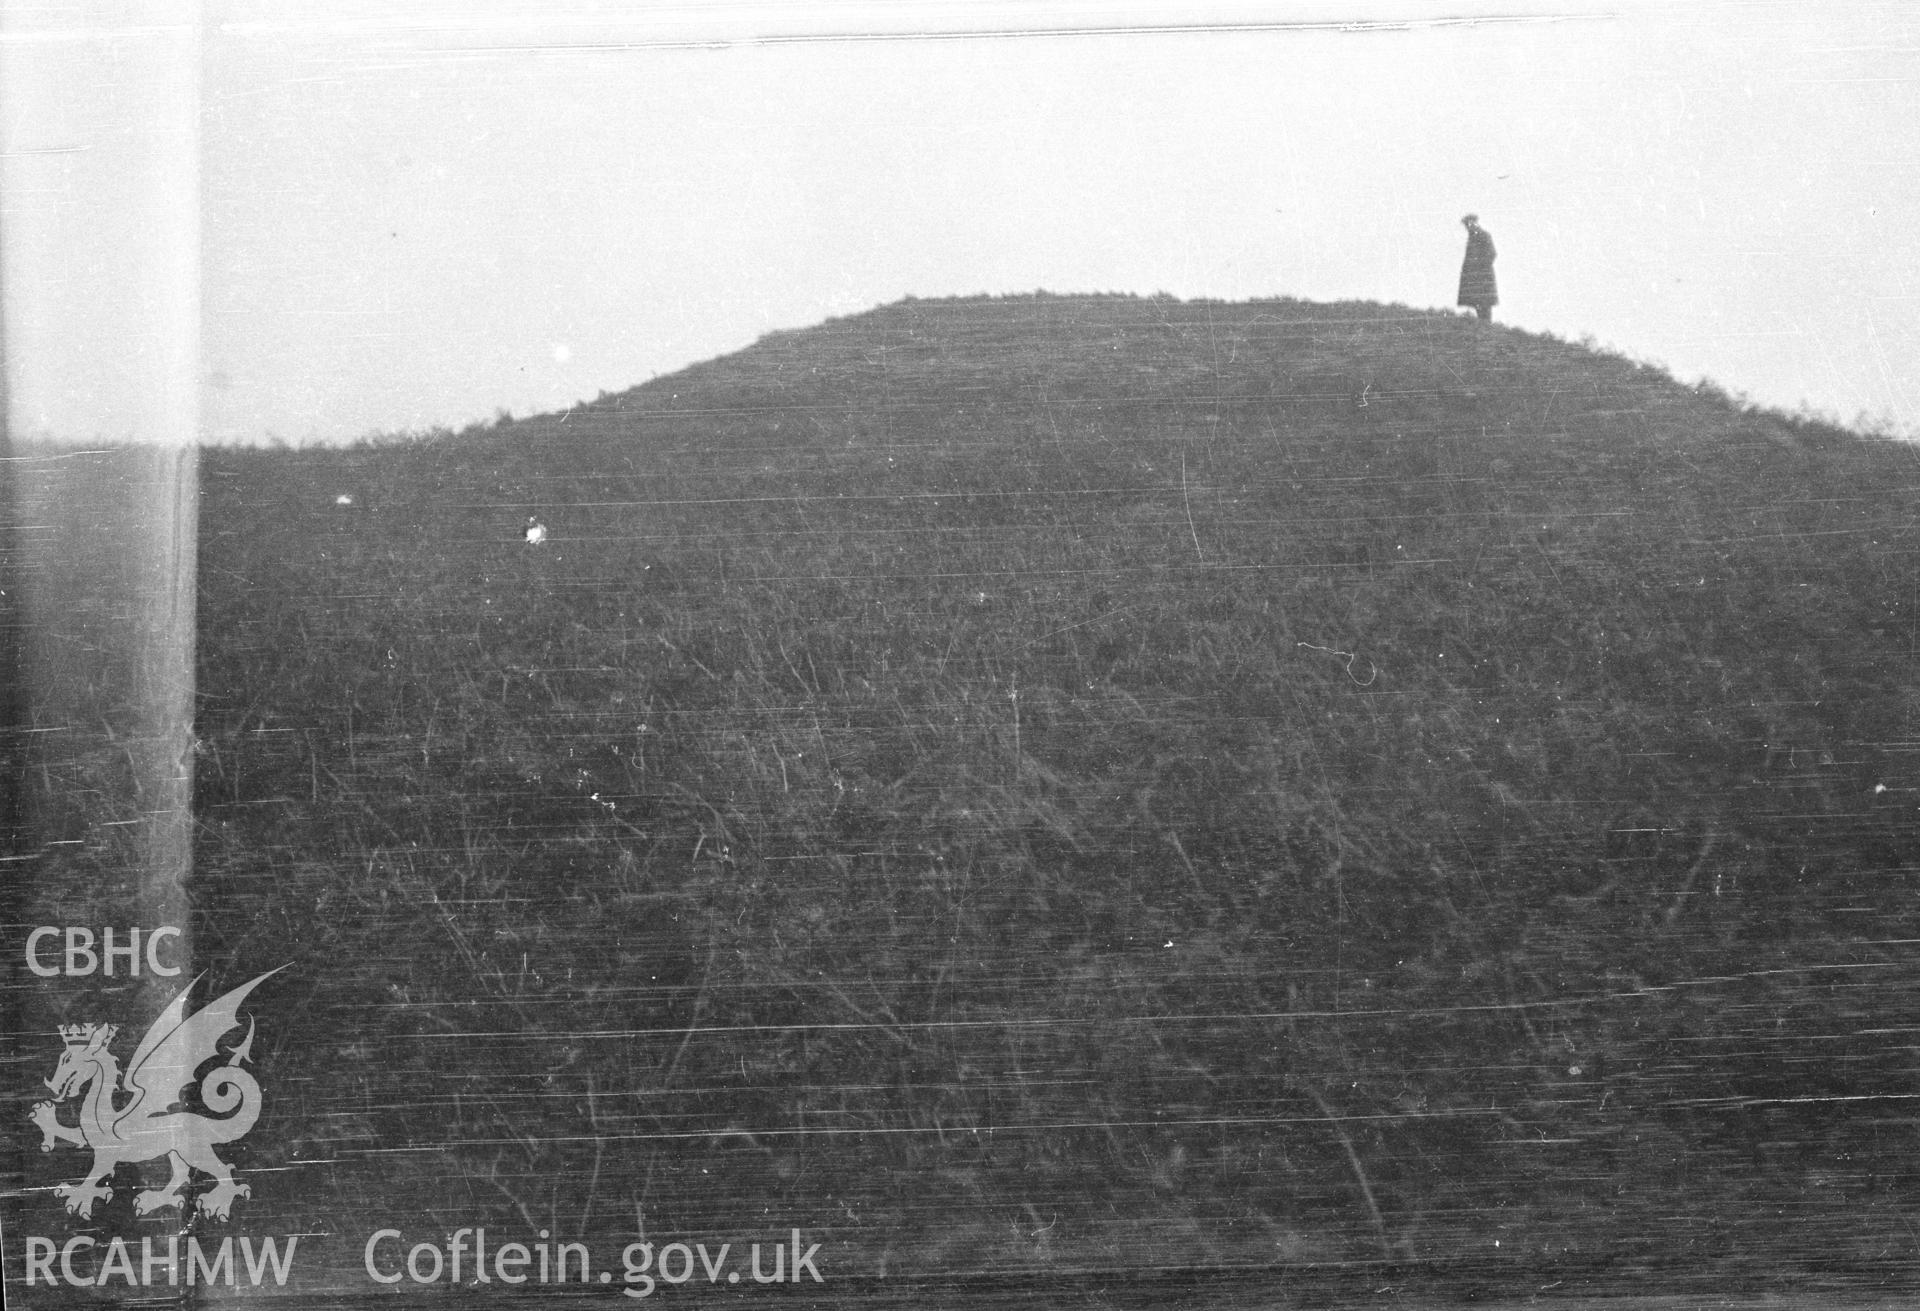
x=1065 y=784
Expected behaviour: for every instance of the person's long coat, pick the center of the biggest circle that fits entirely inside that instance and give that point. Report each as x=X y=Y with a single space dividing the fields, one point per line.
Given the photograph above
x=1476 y=273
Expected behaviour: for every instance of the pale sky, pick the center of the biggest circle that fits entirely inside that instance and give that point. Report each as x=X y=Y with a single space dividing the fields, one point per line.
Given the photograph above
x=391 y=215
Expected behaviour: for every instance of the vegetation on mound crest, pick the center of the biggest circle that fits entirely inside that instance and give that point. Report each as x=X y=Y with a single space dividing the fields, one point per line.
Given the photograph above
x=1006 y=777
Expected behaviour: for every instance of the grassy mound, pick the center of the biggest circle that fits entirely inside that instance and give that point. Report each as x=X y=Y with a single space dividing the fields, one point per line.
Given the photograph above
x=1054 y=783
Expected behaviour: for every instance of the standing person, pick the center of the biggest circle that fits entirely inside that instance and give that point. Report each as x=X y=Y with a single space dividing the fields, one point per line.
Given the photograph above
x=1476 y=271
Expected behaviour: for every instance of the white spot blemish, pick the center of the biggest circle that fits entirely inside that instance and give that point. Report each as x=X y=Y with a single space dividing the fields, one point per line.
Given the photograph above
x=343 y=499
x=562 y=352
x=536 y=532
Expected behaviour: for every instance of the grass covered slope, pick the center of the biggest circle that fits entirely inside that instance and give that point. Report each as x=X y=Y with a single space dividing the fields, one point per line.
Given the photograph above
x=1064 y=782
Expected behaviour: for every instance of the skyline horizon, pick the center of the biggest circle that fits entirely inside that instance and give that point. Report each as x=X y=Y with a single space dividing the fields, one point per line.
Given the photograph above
x=1864 y=425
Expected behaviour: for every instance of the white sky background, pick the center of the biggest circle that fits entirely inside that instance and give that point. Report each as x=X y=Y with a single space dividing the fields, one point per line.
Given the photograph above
x=414 y=214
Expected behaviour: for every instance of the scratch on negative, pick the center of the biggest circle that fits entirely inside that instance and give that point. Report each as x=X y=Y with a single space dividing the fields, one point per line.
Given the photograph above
x=1373 y=670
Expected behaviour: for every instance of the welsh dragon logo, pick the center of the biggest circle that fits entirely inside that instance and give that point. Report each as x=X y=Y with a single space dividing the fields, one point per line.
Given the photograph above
x=139 y=1117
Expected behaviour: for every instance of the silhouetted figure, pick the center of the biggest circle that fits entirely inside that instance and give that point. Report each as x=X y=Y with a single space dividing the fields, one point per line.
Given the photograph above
x=1476 y=272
